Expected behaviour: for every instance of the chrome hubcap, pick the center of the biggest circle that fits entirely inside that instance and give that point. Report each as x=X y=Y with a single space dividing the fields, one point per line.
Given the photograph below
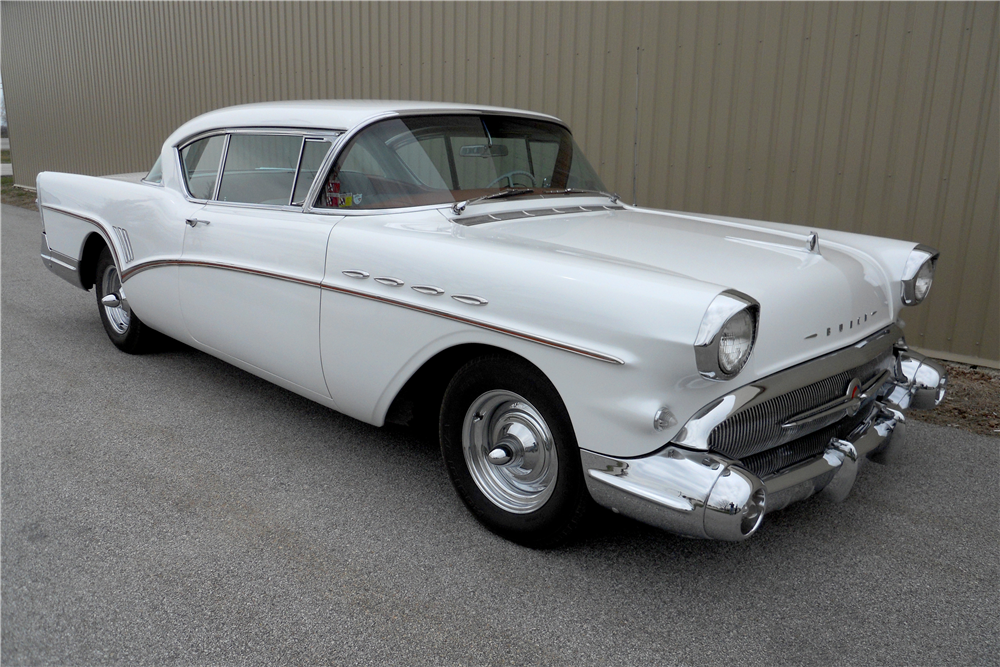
x=510 y=451
x=115 y=307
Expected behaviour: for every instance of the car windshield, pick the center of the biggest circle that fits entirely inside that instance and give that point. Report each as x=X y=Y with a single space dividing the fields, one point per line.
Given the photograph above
x=424 y=160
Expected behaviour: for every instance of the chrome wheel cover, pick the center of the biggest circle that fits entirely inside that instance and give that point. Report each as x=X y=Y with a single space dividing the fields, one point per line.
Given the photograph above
x=510 y=451
x=119 y=316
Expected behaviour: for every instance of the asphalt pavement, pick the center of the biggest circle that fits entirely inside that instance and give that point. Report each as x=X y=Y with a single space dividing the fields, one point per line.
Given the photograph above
x=171 y=509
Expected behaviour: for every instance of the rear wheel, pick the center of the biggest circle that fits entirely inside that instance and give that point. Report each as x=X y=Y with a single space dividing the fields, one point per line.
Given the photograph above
x=125 y=330
x=510 y=451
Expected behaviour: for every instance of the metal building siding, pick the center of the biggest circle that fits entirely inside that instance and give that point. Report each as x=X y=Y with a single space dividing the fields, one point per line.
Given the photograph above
x=879 y=118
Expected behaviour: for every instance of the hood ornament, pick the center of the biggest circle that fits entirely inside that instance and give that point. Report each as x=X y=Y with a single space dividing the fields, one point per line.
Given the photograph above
x=812 y=243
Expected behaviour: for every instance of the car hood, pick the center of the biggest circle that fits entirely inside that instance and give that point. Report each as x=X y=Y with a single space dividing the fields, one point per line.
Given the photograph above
x=811 y=302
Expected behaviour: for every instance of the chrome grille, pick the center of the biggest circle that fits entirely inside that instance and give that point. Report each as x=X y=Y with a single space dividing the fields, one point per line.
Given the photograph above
x=772 y=460
x=758 y=428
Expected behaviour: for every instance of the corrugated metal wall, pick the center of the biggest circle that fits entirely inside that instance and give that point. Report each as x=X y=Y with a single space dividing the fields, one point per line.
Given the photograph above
x=878 y=118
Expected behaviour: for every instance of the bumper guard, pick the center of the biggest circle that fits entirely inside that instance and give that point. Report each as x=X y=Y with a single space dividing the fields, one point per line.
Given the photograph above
x=701 y=494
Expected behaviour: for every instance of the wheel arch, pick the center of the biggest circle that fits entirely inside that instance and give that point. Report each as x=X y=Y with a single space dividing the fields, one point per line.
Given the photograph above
x=92 y=247
x=418 y=401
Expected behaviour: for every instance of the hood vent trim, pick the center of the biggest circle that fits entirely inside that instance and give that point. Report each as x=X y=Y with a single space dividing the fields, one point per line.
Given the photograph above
x=533 y=213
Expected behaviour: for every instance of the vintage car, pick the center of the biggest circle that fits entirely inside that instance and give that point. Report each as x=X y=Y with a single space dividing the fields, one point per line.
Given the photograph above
x=464 y=267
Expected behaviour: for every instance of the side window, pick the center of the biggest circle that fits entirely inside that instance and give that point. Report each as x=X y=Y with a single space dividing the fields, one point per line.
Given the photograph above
x=201 y=165
x=313 y=152
x=260 y=169
x=155 y=174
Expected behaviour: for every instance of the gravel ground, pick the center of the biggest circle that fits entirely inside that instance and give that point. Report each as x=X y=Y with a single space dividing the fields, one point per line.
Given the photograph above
x=171 y=509
x=972 y=401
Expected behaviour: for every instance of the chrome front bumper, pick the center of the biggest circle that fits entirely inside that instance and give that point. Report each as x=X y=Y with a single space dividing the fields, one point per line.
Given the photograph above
x=702 y=494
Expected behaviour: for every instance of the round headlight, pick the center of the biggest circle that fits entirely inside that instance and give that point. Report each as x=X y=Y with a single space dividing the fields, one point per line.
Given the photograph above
x=735 y=342
x=726 y=336
x=918 y=274
x=922 y=284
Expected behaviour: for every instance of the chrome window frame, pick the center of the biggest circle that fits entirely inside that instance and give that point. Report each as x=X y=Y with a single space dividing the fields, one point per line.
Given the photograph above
x=330 y=135
x=345 y=138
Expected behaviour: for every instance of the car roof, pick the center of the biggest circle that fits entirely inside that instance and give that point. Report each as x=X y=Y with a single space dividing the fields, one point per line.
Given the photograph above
x=325 y=114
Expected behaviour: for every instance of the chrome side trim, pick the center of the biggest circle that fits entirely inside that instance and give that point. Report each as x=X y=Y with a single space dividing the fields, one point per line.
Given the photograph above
x=391 y=282
x=470 y=299
x=63 y=260
x=146 y=266
x=356 y=273
x=428 y=289
x=100 y=230
x=65 y=267
x=480 y=324
x=123 y=239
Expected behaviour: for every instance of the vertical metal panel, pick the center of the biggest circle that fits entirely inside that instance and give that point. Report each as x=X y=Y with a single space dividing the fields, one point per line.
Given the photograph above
x=879 y=118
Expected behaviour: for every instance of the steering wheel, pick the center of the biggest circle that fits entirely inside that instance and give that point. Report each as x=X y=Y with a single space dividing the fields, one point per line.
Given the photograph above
x=510 y=180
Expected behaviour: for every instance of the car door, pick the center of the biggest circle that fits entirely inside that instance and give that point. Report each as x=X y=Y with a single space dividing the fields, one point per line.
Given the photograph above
x=252 y=263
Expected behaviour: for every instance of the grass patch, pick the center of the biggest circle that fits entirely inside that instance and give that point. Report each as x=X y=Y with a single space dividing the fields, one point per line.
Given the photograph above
x=5 y=156
x=15 y=196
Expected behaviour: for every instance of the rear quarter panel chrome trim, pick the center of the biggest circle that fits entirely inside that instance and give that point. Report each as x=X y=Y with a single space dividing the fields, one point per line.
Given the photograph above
x=480 y=324
x=101 y=228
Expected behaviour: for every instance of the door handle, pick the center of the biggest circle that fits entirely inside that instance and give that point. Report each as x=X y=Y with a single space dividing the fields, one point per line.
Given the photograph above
x=195 y=221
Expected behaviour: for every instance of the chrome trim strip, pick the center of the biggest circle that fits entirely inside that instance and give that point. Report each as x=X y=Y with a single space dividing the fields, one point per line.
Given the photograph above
x=63 y=260
x=298 y=168
x=100 y=228
x=356 y=273
x=541 y=340
x=428 y=289
x=531 y=213
x=222 y=166
x=836 y=409
x=123 y=239
x=391 y=282
x=146 y=266
x=470 y=299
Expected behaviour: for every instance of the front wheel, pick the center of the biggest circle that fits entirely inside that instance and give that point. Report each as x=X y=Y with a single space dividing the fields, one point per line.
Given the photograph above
x=510 y=452
x=125 y=330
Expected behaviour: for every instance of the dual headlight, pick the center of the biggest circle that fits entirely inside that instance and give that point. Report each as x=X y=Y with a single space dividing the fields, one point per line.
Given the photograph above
x=918 y=274
x=727 y=334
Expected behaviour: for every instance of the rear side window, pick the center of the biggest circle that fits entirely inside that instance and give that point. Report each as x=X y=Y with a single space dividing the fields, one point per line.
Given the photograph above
x=313 y=152
x=260 y=169
x=155 y=174
x=200 y=161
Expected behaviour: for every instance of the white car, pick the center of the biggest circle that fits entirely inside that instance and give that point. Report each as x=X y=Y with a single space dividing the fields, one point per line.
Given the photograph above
x=463 y=266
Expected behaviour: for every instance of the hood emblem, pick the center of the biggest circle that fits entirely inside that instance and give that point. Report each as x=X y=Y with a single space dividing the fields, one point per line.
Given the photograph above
x=858 y=321
x=812 y=243
x=854 y=391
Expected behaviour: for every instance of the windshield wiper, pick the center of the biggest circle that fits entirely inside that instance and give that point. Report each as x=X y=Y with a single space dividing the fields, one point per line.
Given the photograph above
x=613 y=196
x=509 y=192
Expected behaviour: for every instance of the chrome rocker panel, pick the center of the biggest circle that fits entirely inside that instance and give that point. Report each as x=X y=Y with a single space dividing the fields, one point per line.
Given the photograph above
x=701 y=494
